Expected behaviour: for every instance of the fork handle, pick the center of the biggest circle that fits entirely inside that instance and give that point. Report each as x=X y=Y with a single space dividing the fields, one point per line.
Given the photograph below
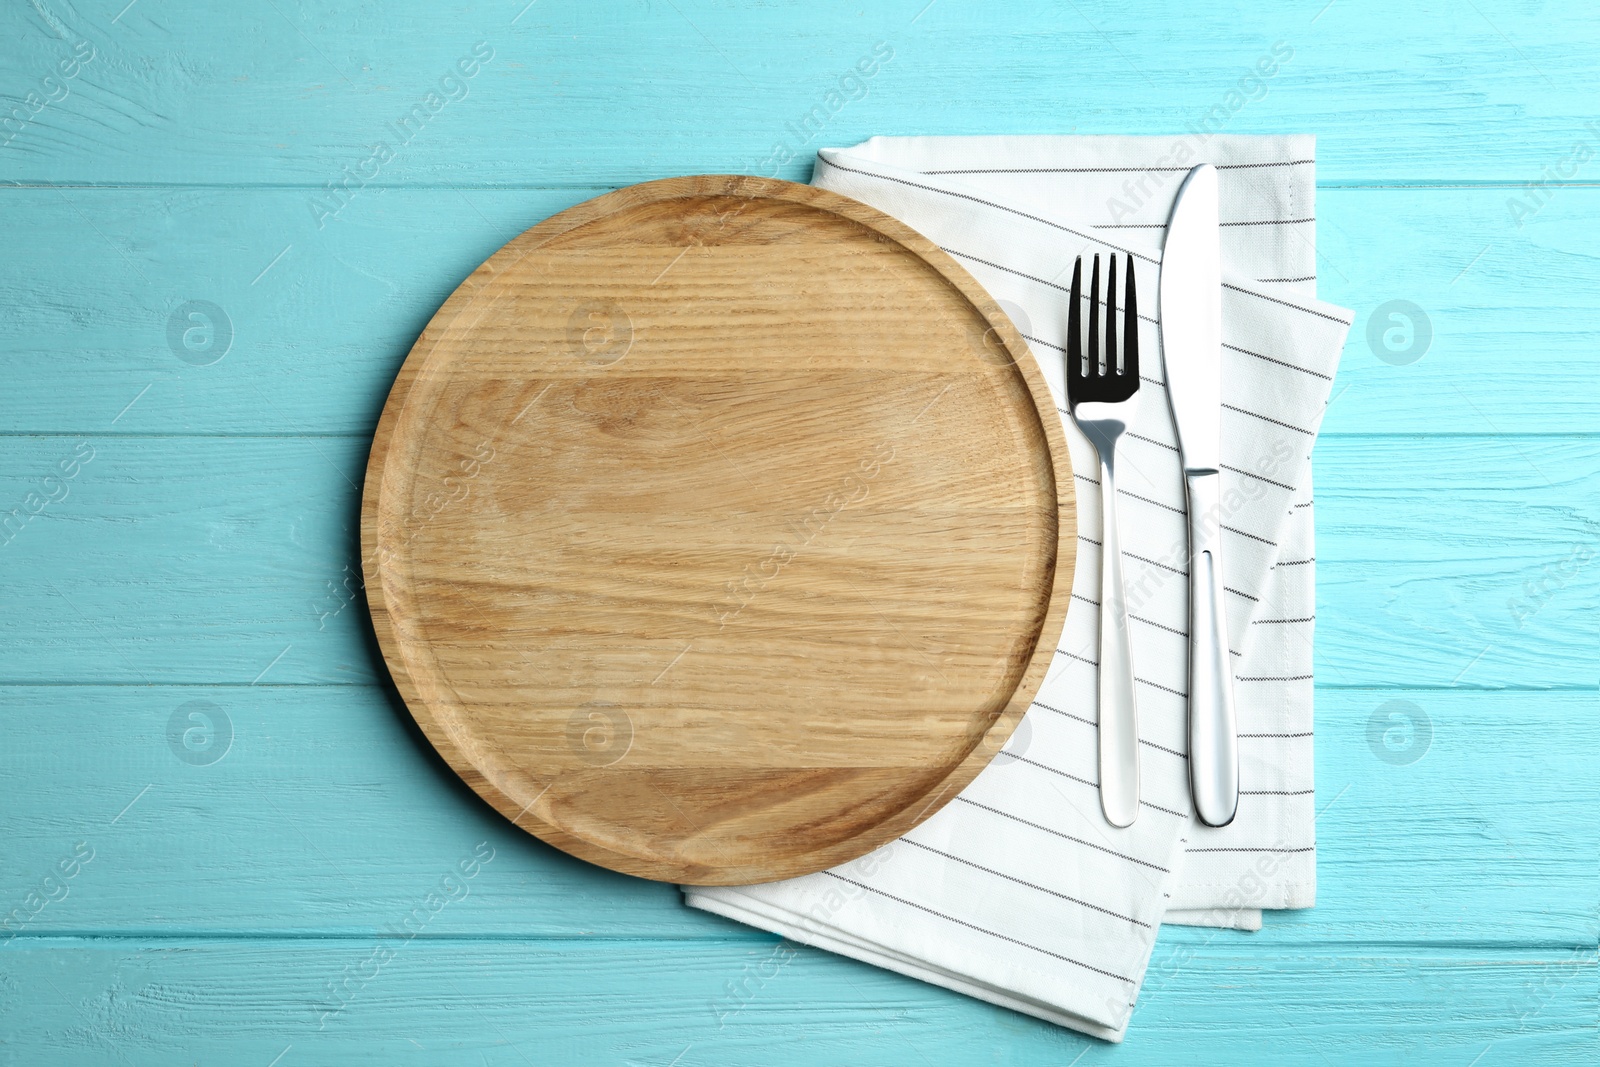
x=1213 y=730
x=1118 y=715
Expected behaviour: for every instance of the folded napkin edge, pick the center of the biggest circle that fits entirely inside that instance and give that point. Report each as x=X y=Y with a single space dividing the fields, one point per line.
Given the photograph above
x=1304 y=302
x=898 y=963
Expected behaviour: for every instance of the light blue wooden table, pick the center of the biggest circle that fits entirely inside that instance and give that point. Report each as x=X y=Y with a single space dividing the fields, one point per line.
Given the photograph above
x=178 y=551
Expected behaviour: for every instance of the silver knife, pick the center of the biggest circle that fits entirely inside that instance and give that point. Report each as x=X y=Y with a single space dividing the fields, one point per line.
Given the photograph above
x=1191 y=349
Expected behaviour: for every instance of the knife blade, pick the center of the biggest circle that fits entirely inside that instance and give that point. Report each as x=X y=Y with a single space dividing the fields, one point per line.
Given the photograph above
x=1191 y=351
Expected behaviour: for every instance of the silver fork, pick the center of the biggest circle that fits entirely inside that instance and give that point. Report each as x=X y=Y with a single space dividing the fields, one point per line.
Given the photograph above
x=1102 y=396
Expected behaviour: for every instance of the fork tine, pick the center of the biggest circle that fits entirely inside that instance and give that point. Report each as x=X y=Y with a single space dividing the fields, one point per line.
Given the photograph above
x=1094 y=318
x=1111 y=317
x=1130 y=328
x=1075 y=324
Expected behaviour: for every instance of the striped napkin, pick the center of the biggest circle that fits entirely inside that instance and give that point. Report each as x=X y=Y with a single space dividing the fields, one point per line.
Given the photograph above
x=1018 y=891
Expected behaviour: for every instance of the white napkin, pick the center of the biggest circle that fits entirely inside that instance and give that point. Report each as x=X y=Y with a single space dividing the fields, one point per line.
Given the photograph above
x=1018 y=891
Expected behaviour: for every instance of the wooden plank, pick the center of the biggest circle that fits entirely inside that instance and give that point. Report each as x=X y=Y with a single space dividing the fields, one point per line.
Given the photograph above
x=294 y=330
x=1458 y=561
x=1409 y=834
x=577 y=94
x=424 y=1000
x=324 y=810
x=230 y=560
x=319 y=321
x=327 y=814
x=1466 y=322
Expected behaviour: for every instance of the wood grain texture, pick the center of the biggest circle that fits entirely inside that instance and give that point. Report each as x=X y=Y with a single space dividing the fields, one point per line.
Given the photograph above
x=628 y=92
x=318 y=334
x=328 y=817
x=597 y=1002
x=718 y=530
x=207 y=543
x=226 y=560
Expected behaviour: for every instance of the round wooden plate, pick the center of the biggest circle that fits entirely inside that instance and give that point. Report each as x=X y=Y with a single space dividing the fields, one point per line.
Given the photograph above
x=718 y=530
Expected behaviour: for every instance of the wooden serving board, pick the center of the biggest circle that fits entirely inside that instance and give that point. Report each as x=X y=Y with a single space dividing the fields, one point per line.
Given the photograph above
x=718 y=530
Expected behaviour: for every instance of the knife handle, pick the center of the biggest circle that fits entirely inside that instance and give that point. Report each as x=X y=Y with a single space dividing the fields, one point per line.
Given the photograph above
x=1213 y=724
